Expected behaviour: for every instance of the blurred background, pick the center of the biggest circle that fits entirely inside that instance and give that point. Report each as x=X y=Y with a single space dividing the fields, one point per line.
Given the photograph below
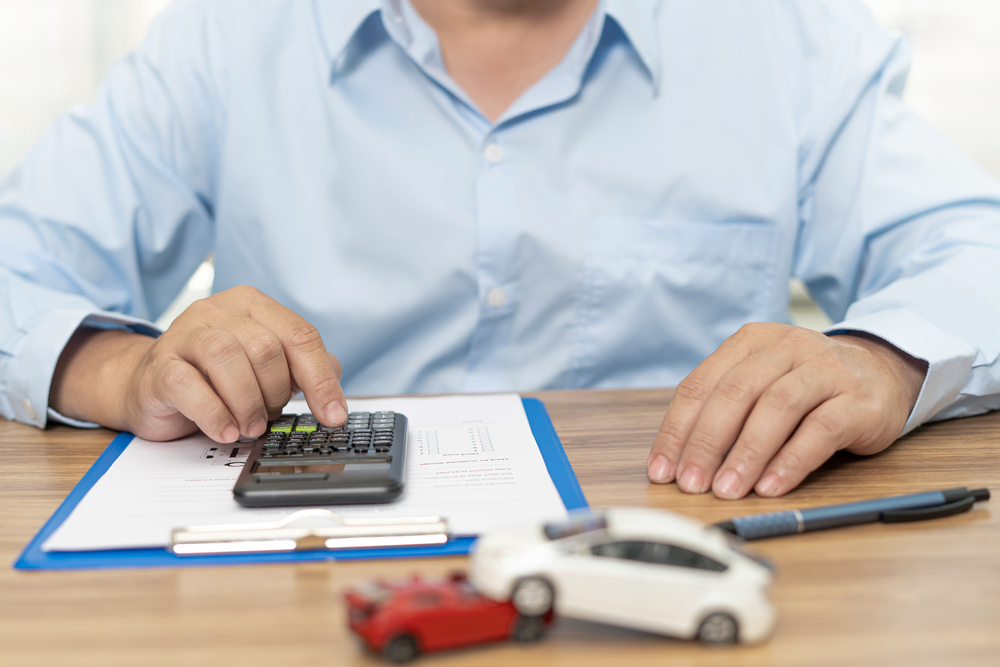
x=53 y=54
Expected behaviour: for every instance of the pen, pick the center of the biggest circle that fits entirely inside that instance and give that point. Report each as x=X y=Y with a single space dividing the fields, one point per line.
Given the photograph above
x=895 y=509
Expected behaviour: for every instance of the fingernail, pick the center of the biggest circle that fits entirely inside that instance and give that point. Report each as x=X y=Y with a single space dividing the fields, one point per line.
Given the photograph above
x=728 y=484
x=257 y=428
x=692 y=480
x=335 y=413
x=768 y=484
x=231 y=434
x=659 y=470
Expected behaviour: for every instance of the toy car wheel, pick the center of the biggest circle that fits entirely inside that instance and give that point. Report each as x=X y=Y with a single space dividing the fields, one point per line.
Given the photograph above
x=402 y=648
x=528 y=629
x=533 y=596
x=718 y=629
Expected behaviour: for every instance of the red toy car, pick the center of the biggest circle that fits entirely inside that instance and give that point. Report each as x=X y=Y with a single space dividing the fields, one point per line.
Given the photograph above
x=402 y=619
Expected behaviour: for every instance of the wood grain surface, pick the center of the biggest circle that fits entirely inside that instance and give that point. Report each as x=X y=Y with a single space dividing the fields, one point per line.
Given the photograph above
x=905 y=594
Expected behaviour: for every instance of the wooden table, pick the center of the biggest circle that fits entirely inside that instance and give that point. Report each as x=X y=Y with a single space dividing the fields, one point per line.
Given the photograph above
x=904 y=594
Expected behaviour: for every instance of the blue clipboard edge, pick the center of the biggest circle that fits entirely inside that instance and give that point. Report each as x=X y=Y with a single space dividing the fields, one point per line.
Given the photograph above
x=33 y=558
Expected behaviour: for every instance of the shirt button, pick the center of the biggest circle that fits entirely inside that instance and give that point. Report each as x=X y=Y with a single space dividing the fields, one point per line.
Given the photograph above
x=30 y=411
x=493 y=154
x=496 y=297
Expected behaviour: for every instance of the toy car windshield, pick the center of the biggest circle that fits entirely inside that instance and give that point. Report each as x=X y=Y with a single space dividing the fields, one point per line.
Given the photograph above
x=575 y=526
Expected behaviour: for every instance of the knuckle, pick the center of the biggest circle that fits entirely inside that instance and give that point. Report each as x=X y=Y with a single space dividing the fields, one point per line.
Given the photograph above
x=693 y=389
x=799 y=336
x=329 y=384
x=671 y=434
x=783 y=398
x=305 y=337
x=200 y=309
x=831 y=425
x=279 y=400
x=176 y=375
x=734 y=387
x=752 y=449
x=702 y=445
x=243 y=291
x=221 y=346
x=265 y=350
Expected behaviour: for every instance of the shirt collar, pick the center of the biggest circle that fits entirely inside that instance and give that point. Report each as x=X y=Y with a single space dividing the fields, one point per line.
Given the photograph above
x=341 y=20
x=637 y=19
x=338 y=22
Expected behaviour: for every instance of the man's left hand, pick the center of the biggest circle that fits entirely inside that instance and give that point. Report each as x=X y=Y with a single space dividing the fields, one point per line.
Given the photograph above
x=776 y=401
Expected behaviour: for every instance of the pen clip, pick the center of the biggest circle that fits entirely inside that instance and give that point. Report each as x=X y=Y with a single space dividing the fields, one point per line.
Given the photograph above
x=923 y=513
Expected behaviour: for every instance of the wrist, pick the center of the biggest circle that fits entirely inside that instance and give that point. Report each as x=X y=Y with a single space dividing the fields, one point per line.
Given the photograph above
x=908 y=371
x=92 y=375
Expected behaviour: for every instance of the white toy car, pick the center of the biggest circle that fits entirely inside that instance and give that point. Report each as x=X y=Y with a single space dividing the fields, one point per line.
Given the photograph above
x=639 y=568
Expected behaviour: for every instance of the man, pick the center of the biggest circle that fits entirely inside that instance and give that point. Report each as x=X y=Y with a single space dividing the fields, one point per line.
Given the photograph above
x=483 y=195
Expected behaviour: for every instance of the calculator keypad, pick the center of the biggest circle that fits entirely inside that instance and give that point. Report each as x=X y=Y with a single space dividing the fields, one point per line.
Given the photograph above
x=297 y=436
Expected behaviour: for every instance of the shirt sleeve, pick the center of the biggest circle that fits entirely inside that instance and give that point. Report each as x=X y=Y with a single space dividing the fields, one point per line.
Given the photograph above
x=111 y=212
x=900 y=231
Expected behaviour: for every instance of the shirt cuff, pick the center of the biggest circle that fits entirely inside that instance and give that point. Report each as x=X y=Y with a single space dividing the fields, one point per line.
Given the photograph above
x=949 y=360
x=31 y=369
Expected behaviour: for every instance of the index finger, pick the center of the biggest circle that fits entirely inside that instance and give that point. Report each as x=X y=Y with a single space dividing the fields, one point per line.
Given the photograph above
x=313 y=369
x=686 y=405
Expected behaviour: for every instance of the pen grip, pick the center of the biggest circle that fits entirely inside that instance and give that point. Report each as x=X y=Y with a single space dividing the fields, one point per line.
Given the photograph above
x=771 y=524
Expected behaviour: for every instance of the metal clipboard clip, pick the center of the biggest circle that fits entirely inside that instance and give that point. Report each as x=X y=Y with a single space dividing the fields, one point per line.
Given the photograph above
x=281 y=535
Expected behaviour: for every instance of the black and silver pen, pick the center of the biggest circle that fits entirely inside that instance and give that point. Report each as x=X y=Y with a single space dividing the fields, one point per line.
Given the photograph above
x=914 y=507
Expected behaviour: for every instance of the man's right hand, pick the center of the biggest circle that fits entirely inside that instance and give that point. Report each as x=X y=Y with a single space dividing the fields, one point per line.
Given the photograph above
x=226 y=365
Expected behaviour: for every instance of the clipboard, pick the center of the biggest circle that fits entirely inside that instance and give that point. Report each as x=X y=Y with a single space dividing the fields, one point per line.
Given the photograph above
x=33 y=558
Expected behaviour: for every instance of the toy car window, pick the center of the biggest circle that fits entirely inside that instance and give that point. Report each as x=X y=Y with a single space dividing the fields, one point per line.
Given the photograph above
x=669 y=554
x=427 y=599
x=575 y=526
x=623 y=550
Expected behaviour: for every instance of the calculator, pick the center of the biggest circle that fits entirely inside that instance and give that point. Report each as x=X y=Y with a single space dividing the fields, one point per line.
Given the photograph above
x=298 y=461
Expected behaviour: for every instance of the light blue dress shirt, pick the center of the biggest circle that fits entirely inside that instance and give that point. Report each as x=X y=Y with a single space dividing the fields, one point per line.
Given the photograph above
x=632 y=209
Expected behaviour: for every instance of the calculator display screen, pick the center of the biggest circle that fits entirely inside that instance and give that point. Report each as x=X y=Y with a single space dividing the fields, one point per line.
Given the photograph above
x=284 y=468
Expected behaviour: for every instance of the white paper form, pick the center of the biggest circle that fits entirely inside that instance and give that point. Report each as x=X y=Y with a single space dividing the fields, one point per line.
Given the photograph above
x=470 y=458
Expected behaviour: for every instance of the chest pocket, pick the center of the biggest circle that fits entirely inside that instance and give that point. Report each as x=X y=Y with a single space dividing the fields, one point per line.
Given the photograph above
x=658 y=296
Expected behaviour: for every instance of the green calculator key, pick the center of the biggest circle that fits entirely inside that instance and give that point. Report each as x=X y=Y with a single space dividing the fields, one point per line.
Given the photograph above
x=281 y=428
x=308 y=428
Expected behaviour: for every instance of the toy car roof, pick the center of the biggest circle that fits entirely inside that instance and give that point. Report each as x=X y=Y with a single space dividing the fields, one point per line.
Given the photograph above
x=651 y=524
